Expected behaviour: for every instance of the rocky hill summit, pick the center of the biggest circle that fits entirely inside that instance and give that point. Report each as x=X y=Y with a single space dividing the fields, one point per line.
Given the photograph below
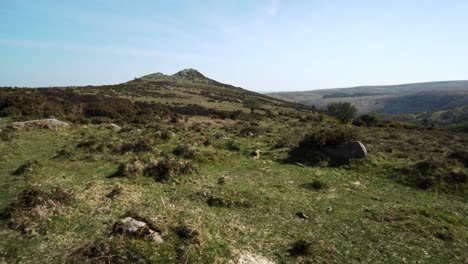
x=185 y=76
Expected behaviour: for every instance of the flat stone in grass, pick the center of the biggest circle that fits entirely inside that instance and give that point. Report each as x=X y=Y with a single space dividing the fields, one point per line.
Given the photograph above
x=49 y=123
x=249 y=258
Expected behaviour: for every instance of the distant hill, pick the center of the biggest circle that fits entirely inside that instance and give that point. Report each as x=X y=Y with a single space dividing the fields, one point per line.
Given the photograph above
x=186 y=75
x=185 y=91
x=439 y=118
x=388 y=99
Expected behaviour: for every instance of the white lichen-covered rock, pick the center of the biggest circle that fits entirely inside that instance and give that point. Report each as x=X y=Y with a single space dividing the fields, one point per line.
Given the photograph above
x=112 y=127
x=250 y=258
x=49 y=123
x=133 y=227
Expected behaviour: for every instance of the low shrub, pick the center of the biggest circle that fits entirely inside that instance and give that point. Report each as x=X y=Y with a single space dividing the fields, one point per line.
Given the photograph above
x=65 y=153
x=217 y=201
x=461 y=156
x=104 y=251
x=168 y=168
x=369 y=120
x=425 y=174
x=308 y=148
x=91 y=145
x=165 y=135
x=463 y=127
x=7 y=135
x=249 y=131
x=316 y=185
x=135 y=145
x=130 y=169
x=438 y=174
x=232 y=145
x=301 y=248
x=188 y=232
x=185 y=151
x=34 y=205
x=27 y=168
x=397 y=124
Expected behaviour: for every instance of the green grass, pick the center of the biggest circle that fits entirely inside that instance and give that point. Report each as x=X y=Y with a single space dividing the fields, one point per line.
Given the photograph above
x=364 y=216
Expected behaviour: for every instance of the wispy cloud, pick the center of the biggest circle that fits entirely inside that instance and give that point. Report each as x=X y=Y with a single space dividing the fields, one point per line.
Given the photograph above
x=40 y=44
x=273 y=8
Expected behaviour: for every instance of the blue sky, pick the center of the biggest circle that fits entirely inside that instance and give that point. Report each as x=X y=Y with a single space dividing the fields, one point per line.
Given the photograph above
x=261 y=45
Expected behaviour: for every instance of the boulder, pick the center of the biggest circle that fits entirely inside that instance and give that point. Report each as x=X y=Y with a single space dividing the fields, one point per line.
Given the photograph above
x=346 y=151
x=49 y=123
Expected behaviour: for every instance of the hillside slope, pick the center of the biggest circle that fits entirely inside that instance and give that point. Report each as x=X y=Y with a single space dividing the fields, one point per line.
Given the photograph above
x=202 y=179
x=389 y=99
x=184 y=87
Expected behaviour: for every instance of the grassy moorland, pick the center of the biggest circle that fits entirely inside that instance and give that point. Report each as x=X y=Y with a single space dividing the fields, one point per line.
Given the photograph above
x=183 y=159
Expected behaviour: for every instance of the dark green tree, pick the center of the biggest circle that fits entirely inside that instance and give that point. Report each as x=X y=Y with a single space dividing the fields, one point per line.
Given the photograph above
x=252 y=103
x=343 y=111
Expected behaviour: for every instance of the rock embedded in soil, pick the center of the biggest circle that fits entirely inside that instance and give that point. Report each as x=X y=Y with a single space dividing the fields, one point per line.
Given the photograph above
x=133 y=227
x=49 y=123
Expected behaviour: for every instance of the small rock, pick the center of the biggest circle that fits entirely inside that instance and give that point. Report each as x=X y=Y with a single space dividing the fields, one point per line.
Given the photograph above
x=256 y=154
x=302 y=215
x=377 y=198
x=113 y=127
x=221 y=180
x=357 y=185
x=329 y=210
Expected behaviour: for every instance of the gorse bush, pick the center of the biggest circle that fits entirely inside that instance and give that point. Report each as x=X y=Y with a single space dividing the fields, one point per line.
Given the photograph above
x=309 y=144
